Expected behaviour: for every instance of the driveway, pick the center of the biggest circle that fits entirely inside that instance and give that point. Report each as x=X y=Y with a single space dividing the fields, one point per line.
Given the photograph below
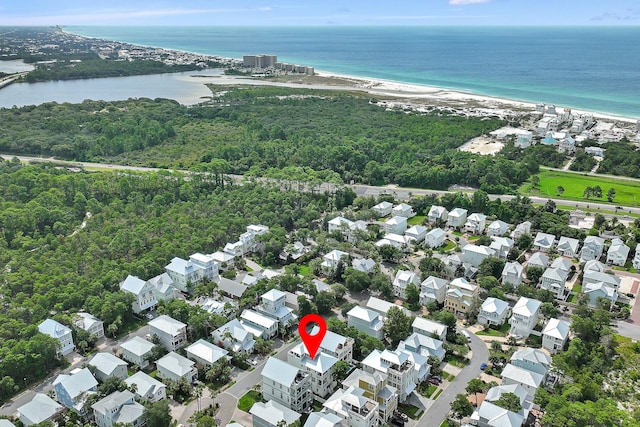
x=440 y=408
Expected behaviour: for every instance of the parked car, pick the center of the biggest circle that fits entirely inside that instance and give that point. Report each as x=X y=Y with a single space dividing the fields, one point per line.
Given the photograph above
x=483 y=365
x=433 y=381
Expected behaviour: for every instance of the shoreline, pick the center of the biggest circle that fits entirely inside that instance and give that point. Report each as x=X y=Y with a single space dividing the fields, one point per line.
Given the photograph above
x=392 y=88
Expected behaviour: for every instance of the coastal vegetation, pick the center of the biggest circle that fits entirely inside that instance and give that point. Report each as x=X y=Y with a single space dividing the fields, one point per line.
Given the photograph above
x=260 y=130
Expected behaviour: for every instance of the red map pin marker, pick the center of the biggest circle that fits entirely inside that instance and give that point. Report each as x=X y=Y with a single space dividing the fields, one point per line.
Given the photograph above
x=312 y=342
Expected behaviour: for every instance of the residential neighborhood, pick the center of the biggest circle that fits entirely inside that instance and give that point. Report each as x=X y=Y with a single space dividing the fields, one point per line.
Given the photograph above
x=459 y=283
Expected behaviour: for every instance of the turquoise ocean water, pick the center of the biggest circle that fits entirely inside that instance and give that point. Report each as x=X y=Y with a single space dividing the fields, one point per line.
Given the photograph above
x=590 y=68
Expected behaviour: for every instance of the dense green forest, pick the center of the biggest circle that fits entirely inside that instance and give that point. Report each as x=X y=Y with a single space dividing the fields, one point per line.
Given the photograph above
x=138 y=223
x=96 y=67
x=257 y=129
x=621 y=158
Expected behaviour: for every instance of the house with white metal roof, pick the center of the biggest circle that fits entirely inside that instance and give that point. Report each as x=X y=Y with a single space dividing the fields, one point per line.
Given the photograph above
x=403 y=210
x=397 y=366
x=143 y=292
x=183 y=272
x=538 y=260
x=320 y=368
x=365 y=265
x=119 y=408
x=402 y=280
x=382 y=209
x=331 y=260
x=599 y=290
x=429 y=328
x=137 y=350
x=205 y=353
x=520 y=230
x=476 y=223
x=457 y=218
x=423 y=345
x=474 y=254
x=107 y=366
x=89 y=323
x=353 y=407
x=493 y=311
x=367 y=321
x=435 y=238
x=618 y=253
x=554 y=280
x=568 y=246
x=376 y=388
x=41 y=408
x=321 y=419
x=416 y=233
x=171 y=332
x=147 y=388
x=437 y=214
x=433 y=289
x=532 y=359
x=234 y=337
x=272 y=414
x=174 y=367
x=258 y=324
x=524 y=316
x=395 y=225
x=592 y=248
x=512 y=273
x=287 y=385
x=336 y=345
x=460 y=296
x=555 y=335
x=274 y=306
x=543 y=242
x=530 y=380
x=497 y=228
x=163 y=288
x=60 y=332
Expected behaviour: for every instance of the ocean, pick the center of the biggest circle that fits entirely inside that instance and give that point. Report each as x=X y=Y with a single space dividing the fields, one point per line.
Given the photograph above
x=589 y=68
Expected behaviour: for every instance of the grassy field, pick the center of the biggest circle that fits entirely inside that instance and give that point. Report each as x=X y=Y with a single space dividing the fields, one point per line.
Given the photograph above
x=246 y=402
x=627 y=192
x=416 y=220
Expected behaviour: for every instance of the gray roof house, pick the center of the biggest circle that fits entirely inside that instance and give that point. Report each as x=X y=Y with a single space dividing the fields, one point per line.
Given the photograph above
x=272 y=414
x=618 y=252
x=89 y=323
x=107 y=365
x=433 y=289
x=41 y=408
x=530 y=380
x=60 y=332
x=592 y=248
x=147 y=388
x=119 y=407
x=174 y=367
x=365 y=320
x=429 y=327
x=538 y=260
x=286 y=384
x=234 y=337
x=321 y=419
x=365 y=265
x=493 y=311
x=543 y=242
x=568 y=246
x=532 y=359
x=143 y=292
x=172 y=332
x=231 y=288
x=205 y=353
x=512 y=273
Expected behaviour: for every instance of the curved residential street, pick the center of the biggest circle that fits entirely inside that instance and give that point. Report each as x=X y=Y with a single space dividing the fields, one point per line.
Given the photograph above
x=439 y=410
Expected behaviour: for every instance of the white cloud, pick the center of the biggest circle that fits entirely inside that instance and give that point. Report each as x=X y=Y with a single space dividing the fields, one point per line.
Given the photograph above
x=463 y=2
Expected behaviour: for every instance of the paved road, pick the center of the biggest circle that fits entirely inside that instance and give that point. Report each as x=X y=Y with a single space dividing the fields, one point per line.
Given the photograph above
x=368 y=190
x=440 y=408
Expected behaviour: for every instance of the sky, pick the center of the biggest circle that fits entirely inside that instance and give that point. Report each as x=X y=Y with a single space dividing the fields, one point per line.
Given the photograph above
x=320 y=12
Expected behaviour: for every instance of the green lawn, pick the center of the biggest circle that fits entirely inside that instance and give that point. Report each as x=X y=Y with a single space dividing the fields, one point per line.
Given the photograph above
x=627 y=192
x=449 y=246
x=493 y=331
x=410 y=410
x=416 y=220
x=246 y=402
x=305 y=270
x=427 y=389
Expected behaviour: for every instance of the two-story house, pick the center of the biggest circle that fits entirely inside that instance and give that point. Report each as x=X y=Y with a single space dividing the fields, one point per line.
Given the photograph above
x=530 y=381
x=497 y=228
x=60 y=332
x=437 y=215
x=175 y=367
x=109 y=366
x=618 y=252
x=163 y=288
x=532 y=359
x=395 y=225
x=543 y=242
x=524 y=316
x=568 y=246
x=137 y=350
x=402 y=280
x=367 y=321
x=183 y=273
x=435 y=238
x=118 y=408
x=234 y=337
x=553 y=280
x=416 y=233
x=331 y=260
x=171 y=332
x=493 y=311
x=73 y=390
x=520 y=230
x=258 y=324
x=40 y=409
x=404 y=210
x=143 y=292
x=475 y=224
x=592 y=248
x=287 y=385
x=474 y=254
x=382 y=209
x=433 y=289
x=512 y=273
x=337 y=346
x=457 y=218
x=555 y=335
x=89 y=323
x=501 y=246
x=396 y=366
x=460 y=296
x=274 y=306
x=147 y=388
x=423 y=345
x=538 y=260
x=366 y=265
x=206 y=264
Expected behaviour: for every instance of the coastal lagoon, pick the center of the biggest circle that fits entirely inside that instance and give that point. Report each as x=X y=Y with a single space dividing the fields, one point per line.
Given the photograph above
x=15 y=66
x=187 y=88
